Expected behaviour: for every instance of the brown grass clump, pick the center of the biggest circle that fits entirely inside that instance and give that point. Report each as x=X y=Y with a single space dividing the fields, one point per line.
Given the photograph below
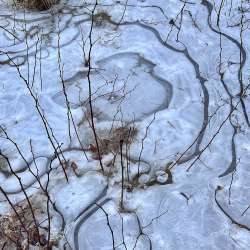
x=101 y=17
x=36 y=4
x=112 y=141
x=12 y=233
x=16 y=229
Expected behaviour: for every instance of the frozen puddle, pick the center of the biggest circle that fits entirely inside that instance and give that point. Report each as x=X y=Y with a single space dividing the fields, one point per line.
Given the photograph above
x=126 y=85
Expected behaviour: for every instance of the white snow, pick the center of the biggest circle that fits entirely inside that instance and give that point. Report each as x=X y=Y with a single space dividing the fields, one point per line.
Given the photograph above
x=145 y=74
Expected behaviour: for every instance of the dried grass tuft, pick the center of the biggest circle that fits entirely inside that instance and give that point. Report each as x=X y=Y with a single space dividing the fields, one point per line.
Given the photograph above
x=36 y=4
x=112 y=141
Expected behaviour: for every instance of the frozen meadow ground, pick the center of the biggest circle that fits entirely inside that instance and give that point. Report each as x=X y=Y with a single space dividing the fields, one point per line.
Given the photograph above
x=166 y=164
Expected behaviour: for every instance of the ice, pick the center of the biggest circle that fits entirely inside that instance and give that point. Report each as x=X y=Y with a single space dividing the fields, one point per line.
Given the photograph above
x=170 y=110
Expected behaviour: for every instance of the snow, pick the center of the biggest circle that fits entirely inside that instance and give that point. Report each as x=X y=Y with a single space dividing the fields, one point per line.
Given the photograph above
x=170 y=90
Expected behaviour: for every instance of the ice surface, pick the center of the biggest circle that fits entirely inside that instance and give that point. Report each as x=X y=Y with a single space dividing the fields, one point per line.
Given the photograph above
x=170 y=70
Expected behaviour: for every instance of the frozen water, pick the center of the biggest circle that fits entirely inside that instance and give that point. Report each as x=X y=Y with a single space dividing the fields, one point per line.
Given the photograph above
x=173 y=76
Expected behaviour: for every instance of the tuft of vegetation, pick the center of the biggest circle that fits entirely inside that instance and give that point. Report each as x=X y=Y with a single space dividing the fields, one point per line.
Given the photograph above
x=36 y=4
x=101 y=17
x=18 y=230
x=112 y=142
